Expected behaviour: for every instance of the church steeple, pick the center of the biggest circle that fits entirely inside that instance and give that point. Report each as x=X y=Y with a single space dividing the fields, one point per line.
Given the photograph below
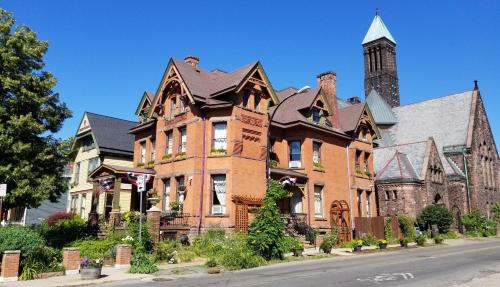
x=379 y=48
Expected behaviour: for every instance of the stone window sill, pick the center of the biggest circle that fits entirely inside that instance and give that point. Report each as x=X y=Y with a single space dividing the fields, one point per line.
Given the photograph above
x=217 y=216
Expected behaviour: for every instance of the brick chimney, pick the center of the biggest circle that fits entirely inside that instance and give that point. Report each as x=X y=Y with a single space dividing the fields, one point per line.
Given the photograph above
x=328 y=83
x=192 y=60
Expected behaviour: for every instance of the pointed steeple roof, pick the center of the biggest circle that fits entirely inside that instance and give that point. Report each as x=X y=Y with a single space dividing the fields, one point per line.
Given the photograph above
x=381 y=110
x=377 y=30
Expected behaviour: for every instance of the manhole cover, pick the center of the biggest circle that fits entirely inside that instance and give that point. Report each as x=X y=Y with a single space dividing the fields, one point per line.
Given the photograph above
x=159 y=279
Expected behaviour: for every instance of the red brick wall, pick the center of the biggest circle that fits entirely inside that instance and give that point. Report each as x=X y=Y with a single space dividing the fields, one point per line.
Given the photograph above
x=10 y=264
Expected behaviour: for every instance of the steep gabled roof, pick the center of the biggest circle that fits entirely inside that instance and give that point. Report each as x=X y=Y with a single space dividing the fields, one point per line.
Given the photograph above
x=400 y=162
x=377 y=31
x=111 y=134
x=446 y=119
x=381 y=110
x=147 y=97
x=349 y=116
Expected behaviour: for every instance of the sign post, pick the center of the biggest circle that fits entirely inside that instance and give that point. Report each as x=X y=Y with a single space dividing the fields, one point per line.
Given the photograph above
x=3 y=193
x=141 y=186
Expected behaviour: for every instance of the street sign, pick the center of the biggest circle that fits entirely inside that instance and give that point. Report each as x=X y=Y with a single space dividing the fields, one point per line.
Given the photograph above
x=3 y=190
x=141 y=183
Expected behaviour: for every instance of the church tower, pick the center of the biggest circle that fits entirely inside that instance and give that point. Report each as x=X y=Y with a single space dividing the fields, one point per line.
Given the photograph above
x=379 y=49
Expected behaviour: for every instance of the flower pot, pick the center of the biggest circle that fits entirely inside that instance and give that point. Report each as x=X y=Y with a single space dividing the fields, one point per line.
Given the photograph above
x=327 y=251
x=90 y=273
x=403 y=243
x=357 y=248
x=382 y=245
x=297 y=252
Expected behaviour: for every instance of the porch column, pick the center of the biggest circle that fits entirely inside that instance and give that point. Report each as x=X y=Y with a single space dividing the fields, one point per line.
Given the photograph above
x=93 y=221
x=114 y=216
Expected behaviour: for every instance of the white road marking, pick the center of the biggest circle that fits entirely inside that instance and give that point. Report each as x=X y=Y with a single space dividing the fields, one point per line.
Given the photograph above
x=388 y=277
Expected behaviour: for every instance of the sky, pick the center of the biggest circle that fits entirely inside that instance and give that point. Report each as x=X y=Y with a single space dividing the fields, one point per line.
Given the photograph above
x=105 y=54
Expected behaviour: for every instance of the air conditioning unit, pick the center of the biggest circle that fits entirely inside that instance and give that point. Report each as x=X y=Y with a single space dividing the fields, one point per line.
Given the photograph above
x=294 y=164
x=217 y=209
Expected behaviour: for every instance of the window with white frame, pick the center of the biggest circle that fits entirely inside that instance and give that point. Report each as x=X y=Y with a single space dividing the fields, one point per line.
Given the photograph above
x=220 y=136
x=296 y=201
x=77 y=173
x=152 y=151
x=72 y=205
x=294 y=154
x=218 y=194
x=143 y=152
x=166 y=194
x=170 y=142
x=316 y=153
x=182 y=140
x=318 y=201
x=181 y=188
x=93 y=164
x=83 y=205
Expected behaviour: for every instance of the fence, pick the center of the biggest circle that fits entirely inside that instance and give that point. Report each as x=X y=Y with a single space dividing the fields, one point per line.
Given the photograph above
x=375 y=226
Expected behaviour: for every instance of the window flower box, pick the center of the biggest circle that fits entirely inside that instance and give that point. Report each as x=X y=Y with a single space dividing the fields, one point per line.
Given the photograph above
x=218 y=152
x=139 y=164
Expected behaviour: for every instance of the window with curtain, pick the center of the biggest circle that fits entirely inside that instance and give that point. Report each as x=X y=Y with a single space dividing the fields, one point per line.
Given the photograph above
x=182 y=139
x=152 y=151
x=318 y=201
x=181 y=188
x=316 y=152
x=166 y=194
x=170 y=142
x=294 y=151
x=220 y=136
x=219 y=194
x=296 y=201
x=143 y=152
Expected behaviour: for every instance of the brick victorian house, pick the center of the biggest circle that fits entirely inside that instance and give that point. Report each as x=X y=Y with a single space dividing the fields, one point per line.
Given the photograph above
x=435 y=151
x=203 y=138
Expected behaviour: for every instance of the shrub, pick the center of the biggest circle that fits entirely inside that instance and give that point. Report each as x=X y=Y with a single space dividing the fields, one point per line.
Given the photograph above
x=420 y=240
x=211 y=263
x=266 y=233
x=496 y=212
x=388 y=234
x=353 y=243
x=326 y=245
x=19 y=238
x=95 y=248
x=435 y=214
x=167 y=251
x=237 y=254
x=209 y=243
x=289 y=243
x=62 y=229
x=476 y=224
x=55 y=217
x=132 y=228
x=369 y=239
x=186 y=255
x=450 y=235
x=438 y=239
x=406 y=225
x=142 y=263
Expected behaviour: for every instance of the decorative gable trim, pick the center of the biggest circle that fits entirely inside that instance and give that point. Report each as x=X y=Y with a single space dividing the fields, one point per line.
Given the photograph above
x=366 y=114
x=144 y=100
x=258 y=69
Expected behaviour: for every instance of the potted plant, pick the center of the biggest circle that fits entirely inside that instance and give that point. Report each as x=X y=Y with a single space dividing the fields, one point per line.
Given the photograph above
x=403 y=241
x=153 y=196
x=438 y=239
x=382 y=243
x=90 y=268
x=420 y=239
x=357 y=245
x=176 y=206
x=298 y=248
x=166 y=157
x=326 y=245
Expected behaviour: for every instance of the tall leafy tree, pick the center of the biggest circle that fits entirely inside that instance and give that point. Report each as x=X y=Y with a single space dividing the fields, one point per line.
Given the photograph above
x=32 y=160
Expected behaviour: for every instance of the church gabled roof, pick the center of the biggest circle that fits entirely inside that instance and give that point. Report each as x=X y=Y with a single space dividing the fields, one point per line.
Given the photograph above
x=400 y=162
x=377 y=31
x=381 y=110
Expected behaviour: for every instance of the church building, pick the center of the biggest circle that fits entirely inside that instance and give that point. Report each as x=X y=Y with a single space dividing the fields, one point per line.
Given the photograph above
x=437 y=151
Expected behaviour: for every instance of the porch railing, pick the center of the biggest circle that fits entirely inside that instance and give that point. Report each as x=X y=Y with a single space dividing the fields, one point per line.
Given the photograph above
x=174 y=219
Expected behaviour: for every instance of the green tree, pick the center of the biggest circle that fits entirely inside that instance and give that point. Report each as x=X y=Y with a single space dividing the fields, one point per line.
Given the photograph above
x=31 y=159
x=435 y=214
x=266 y=233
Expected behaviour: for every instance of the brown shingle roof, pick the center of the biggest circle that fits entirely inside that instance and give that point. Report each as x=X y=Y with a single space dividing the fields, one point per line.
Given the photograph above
x=349 y=117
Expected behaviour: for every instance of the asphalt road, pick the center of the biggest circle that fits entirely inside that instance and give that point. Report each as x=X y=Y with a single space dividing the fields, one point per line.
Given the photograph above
x=433 y=266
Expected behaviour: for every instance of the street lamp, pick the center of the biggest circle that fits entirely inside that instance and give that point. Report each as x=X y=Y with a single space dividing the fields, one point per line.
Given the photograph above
x=304 y=89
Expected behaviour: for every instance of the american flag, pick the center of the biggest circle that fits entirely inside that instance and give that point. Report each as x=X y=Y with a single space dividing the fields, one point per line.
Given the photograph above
x=105 y=185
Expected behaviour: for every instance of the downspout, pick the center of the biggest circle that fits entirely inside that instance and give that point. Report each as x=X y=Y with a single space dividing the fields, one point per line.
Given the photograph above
x=308 y=203
x=200 y=210
x=466 y=181
x=349 y=184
